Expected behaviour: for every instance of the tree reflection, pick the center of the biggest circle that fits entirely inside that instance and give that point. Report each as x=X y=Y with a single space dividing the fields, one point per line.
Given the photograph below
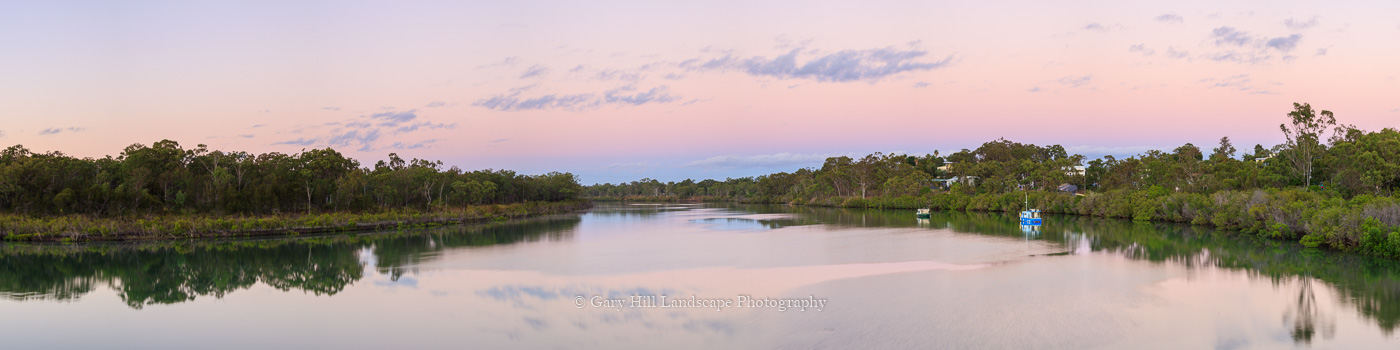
x=396 y=257
x=176 y=272
x=1370 y=285
x=1306 y=317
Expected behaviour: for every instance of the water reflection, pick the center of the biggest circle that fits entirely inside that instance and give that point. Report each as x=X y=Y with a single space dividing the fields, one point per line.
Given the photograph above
x=1306 y=317
x=743 y=224
x=173 y=273
x=1370 y=286
x=177 y=272
x=1032 y=231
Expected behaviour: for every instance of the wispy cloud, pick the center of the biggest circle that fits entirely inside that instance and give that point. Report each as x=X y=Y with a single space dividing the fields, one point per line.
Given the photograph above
x=625 y=95
x=413 y=145
x=333 y=109
x=843 y=66
x=1069 y=82
x=1141 y=48
x=435 y=104
x=246 y=136
x=534 y=71
x=364 y=139
x=515 y=102
x=1238 y=57
x=393 y=119
x=1229 y=36
x=1170 y=18
x=621 y=95
x=1173 y=53
x=425 y=126
x=1244 y=47
x=508 y=62
x=618 y=74
x=366 y=132
x=1240 y=82
x=1097 y=27
x=298 y=142
x=1296 y=24
x=1284 y=44
x=1075 y=82
x=52 y=131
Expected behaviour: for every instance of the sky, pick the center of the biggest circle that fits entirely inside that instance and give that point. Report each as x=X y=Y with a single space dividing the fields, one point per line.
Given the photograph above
x=616 y=91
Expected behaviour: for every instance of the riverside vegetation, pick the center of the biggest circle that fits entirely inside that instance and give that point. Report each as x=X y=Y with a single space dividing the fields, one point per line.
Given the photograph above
x=180 y=271
x=1334 y=192
x=166 y=191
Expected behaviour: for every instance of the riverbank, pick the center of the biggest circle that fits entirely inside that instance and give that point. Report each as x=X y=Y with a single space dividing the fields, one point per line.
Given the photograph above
x=1367 y=225
x=81 y=228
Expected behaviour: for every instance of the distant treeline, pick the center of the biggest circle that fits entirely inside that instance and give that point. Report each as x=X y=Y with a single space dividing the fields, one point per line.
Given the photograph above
x=166 y=178
x=1328 y=184
x=1350 y=162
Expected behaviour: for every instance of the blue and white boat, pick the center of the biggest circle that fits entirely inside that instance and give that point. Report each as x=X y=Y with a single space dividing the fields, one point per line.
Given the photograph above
x=1030 y=217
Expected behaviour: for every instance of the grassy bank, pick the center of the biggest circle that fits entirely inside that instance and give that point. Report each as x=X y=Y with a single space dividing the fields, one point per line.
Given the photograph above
x=70 y=228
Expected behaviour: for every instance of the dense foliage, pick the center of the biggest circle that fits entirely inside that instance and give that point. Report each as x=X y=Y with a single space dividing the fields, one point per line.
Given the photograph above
x=166 y=178
x=1332 y=191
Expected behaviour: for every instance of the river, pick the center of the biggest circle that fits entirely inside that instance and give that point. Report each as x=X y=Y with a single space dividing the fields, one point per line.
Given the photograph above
x=642 y=276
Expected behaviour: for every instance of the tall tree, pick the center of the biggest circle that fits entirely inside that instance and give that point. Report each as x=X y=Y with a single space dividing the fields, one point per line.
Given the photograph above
x=1226 y=150
x=1301 y=137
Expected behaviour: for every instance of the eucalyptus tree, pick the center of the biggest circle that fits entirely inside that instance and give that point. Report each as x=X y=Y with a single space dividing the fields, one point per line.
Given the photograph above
x=1301 y=135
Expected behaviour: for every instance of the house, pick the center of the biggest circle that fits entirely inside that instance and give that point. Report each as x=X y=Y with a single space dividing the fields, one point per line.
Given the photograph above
x=1074 y=170
x=965 y=180
x=1068 y=188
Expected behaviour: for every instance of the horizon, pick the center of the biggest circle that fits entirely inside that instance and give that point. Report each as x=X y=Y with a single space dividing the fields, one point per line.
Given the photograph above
x=622 y=91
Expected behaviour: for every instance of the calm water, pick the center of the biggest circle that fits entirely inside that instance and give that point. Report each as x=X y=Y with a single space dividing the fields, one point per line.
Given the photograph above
x=868 y=279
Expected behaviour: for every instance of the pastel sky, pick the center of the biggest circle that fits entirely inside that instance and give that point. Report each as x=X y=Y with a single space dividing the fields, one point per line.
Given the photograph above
x=621 y=90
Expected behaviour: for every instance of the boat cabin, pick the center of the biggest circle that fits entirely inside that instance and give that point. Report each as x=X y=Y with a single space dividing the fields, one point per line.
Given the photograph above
x=1030 y=217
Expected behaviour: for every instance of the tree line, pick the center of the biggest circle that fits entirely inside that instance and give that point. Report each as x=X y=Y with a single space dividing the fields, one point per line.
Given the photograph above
x=1347 y=162
x=167 y=178
x=1328 y=185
